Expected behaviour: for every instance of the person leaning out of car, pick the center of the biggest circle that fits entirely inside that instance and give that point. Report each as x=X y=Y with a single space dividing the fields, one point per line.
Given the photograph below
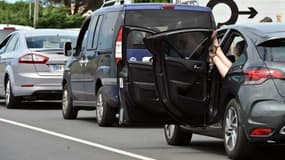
x=218 y=57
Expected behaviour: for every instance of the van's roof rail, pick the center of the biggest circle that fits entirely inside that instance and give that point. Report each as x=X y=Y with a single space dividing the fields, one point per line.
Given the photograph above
x=190 y=2
x=115 y=2
x=119 y=2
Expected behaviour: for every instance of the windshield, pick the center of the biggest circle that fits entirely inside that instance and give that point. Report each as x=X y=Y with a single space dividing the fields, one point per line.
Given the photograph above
x=273 y=50
x=49 y=41
x=166 y=20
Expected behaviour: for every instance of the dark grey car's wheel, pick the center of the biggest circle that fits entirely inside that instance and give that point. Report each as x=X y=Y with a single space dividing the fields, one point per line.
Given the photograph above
x=175 y=135
x=10 y=100
x=68 y=111
x=105 y=114
x=235 y=141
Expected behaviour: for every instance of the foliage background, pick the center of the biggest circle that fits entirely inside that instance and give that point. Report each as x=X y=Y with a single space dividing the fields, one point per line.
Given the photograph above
x=49 y=17
x=52 y=13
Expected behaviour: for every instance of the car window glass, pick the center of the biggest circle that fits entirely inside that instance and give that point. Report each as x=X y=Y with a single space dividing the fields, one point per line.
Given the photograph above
x=11 y=44
x=97 y=24
x=56 y=41
x=273 y=50
x=237 y=46
x=4 y=43
x=187 y=45
x=166 y=20
x=82 y=37
x=107 y=30
x=136 y=50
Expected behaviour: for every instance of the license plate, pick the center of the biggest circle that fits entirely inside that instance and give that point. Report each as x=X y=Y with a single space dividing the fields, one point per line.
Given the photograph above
x=56 y=67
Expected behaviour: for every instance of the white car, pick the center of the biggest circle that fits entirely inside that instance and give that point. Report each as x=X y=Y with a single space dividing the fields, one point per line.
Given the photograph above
x=32 y=63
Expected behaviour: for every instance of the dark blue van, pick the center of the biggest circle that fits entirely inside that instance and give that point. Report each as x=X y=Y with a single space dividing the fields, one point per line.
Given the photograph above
x=111 y=70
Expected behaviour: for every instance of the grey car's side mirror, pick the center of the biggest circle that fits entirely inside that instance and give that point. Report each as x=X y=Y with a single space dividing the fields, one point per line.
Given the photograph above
x=68 y=50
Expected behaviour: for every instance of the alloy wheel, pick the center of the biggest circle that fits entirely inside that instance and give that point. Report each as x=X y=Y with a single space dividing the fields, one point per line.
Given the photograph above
x=231 y=128
x=65 y=101
x=169 y=128
x=7 y=93
x=99 y=108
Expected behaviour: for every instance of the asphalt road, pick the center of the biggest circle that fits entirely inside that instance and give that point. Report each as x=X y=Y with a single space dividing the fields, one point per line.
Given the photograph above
x=37 y=131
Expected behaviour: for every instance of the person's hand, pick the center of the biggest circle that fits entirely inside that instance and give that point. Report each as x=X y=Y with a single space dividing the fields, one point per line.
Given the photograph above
x=213 y=47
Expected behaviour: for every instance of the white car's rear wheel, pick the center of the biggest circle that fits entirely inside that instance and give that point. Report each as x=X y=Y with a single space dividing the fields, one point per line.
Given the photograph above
x=10 y=100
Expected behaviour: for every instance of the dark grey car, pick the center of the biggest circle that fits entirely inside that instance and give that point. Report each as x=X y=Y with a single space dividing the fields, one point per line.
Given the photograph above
x=245 y=108
x=32 y=63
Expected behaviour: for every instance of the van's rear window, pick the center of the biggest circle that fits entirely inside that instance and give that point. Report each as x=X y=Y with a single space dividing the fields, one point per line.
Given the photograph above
x=165 y=20
x=273 y=50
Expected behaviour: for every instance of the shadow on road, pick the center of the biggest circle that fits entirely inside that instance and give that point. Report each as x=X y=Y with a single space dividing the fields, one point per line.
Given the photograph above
x=216 y=147
x=41 y=105
x=263 y=152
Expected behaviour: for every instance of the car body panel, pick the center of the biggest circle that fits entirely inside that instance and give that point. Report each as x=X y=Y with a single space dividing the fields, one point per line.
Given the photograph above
x=29 y=80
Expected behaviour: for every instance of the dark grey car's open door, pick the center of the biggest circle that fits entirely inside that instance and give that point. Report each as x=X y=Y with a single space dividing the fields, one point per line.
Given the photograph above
x=181 y=72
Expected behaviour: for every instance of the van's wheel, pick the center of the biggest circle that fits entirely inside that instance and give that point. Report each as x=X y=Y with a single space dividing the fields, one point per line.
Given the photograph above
x=235 y=141
x=10 y=100
x=175 y=135
x=68 y=110
x=105 y=114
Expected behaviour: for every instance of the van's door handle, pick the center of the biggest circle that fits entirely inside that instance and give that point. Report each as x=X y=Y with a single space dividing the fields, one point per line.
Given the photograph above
x=197 y=66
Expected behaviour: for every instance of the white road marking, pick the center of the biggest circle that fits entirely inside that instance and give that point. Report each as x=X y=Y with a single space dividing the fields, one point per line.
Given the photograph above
x=111 y=149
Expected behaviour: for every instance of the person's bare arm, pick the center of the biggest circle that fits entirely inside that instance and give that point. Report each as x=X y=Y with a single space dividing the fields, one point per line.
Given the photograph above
x=223 y=57
x=222 y=67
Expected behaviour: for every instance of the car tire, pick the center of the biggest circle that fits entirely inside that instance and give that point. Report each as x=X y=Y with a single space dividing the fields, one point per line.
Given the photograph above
x=105 y=114
x=236 y=144
x=68 y=110
x=175 y=135
x=10 y=100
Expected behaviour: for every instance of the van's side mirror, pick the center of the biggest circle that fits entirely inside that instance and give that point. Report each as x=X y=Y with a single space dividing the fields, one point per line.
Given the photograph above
x=68 y=50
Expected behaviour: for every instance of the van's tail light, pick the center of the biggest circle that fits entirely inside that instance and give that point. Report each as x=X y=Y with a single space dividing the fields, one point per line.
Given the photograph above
x=119 y=47
x=33 y=58
x=168 y=6
x=260 y=75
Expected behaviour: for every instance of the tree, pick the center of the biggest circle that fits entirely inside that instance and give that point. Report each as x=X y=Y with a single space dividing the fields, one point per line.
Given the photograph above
x=49 y=17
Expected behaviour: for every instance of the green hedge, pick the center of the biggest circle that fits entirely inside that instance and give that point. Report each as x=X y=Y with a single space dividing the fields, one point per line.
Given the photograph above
x=51 y=17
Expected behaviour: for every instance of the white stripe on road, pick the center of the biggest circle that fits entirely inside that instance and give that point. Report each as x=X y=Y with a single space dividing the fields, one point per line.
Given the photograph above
x=125 y=153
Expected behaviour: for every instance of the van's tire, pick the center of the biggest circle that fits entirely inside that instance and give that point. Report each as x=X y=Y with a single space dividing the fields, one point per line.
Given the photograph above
x=105 y=114
x=68 y=110
x=175 y=135
x=236 y=144
x=10 y=100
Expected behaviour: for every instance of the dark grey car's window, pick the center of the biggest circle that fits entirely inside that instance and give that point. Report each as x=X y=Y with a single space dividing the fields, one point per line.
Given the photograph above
x=49 y=41
x=158 y=20
x=273 y=50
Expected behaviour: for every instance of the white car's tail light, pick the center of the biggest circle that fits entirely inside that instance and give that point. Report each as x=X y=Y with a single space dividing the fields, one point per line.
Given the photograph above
x=33 y=58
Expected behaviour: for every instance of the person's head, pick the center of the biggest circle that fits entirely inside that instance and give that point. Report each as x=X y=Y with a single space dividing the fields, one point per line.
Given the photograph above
x=239 y=48
x=266 y=19
x=279 y=17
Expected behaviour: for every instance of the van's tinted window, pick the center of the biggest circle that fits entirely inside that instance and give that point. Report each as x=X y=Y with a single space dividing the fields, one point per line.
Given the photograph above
x=165 y=20
x=273 y=50
x=107 y=31
x=96 y=32
x=187 y=45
